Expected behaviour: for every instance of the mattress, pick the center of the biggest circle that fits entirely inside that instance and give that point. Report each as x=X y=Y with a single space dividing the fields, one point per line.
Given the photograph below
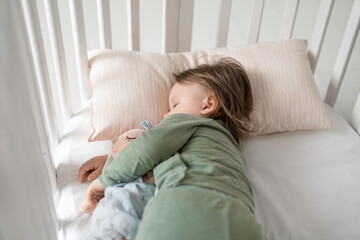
x=306 y=183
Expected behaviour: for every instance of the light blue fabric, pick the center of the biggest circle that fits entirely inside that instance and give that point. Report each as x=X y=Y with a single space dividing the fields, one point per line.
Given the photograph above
x=145 y=124
x=118 y=214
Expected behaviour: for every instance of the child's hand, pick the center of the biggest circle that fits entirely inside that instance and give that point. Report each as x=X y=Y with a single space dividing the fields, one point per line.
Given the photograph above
x=94 y=194
x=92 y=168
x=148 y=177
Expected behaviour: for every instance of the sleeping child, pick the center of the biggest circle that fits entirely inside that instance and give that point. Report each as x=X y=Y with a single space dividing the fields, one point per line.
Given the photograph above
x=200 y=173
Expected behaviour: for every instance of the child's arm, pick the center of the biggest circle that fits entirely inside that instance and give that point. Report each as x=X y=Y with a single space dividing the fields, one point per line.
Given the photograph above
x=94 y=193
x=150 y=148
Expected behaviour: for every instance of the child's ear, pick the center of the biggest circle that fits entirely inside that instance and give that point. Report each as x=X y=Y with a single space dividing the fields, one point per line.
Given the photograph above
x=210 y=105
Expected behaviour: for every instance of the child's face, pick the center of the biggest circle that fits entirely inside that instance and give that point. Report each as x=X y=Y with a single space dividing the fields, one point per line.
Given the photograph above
x=187 y=97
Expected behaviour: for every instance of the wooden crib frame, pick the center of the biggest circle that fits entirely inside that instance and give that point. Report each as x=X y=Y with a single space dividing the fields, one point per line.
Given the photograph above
x=26 y=51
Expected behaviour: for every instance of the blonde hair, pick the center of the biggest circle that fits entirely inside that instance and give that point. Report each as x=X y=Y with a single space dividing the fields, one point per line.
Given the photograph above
x=226 y=78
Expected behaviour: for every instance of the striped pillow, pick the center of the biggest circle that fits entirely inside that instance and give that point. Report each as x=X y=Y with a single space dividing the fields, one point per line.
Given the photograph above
x=128 y=87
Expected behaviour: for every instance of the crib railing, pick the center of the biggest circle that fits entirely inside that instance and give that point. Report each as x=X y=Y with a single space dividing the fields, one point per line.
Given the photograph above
x=177 y=33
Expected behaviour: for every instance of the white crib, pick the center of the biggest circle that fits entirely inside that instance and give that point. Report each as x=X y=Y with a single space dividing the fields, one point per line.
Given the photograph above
x=31 y=139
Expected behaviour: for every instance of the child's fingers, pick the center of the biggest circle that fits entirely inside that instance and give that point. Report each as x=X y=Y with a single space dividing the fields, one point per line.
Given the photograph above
x=84 y=171
x=83 y=176
x=93 y=175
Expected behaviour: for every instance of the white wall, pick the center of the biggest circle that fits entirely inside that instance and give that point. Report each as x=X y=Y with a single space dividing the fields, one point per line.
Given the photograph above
x=27 y=210
x=150 y=31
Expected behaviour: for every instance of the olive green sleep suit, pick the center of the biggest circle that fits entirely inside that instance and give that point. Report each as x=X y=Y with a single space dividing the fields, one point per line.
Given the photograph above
x=199 y=171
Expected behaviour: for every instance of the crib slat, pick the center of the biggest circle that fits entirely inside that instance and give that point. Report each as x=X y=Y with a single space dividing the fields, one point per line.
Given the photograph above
x=287 y=24
x=255 y=20
x=78 y=29
x=103 y=9
x=133 y=25
x=57 y=47
x=344 y=54
x=186 y=16
x=319 y=31
x=177 y=25
x=355 y=116
x=170 y=25
x=41 y=69
x=223 y=23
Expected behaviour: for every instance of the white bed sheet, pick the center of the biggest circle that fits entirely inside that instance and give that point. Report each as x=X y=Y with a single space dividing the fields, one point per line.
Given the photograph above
x=72 y=151
x=306 y=184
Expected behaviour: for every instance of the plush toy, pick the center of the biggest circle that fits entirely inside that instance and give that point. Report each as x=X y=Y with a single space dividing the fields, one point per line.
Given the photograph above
x=92 y=168
x=118 y=214
x=123 y=140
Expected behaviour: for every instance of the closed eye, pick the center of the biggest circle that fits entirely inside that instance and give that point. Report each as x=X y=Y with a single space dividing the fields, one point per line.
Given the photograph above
x=175 y=105
x=129 y=139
